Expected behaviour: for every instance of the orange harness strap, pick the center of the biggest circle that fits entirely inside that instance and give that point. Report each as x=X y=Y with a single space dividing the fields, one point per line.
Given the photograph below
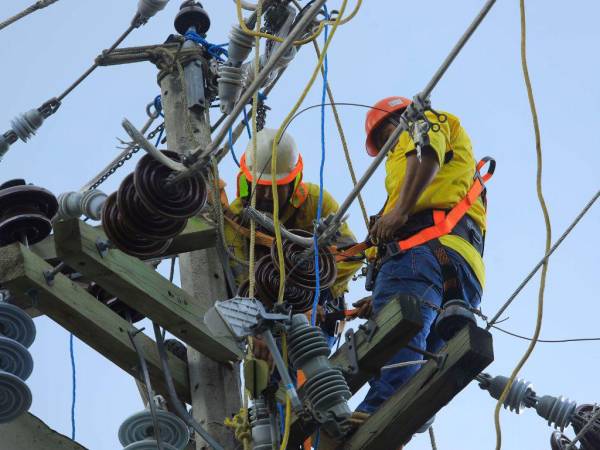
x=261 y=238
x=444 y=222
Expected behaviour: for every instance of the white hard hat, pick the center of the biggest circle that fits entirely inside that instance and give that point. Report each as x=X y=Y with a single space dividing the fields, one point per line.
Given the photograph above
x=289 y=161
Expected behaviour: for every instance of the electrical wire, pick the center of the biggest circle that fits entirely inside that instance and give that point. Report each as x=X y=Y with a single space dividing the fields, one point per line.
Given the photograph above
x=557 y=244
x=40 y=4
x=73 y=385
x=546 y=341
x=231 y=149
x=340 y=128
x=274 y=151
x=542 y=202
x=432 y=438
x=324 y=69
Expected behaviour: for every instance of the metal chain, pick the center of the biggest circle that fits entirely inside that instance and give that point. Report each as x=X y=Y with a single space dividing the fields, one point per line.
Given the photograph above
x=134 y=148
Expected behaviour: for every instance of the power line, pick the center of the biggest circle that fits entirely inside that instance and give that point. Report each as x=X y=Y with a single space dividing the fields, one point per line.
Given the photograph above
x=546 y=341
x=40 y=4
x=510 y=299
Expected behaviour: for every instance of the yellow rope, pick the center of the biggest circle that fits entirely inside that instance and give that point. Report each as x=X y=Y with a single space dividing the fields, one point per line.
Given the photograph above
x=288 y=403
x=251 y=277
x=340 y=128
x=274 y=152
x=306 y=40
x=538 y=148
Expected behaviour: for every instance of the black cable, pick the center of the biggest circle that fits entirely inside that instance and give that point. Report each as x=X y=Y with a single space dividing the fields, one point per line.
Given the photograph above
x=547 y=341
x=175 y=402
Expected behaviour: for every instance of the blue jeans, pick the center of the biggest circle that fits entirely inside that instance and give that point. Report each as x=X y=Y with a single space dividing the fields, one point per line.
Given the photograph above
x=415 y=272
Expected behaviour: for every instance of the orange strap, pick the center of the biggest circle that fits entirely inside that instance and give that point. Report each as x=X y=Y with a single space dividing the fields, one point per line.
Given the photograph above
x=261 y=238
x=444 y=222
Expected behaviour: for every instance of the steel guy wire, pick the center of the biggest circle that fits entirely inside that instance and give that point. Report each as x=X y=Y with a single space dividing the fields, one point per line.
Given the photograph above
x=529 y=276
x=40 y=4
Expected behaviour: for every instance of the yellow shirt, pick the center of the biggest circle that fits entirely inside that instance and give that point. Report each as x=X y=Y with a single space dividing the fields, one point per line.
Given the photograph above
x=296 y=218
x=449 y=186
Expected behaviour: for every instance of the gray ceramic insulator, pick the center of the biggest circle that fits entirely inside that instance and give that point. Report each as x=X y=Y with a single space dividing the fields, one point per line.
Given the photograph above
x=26 y=124
x=325 y=389
x=148 y=8
x=518 y=395
x=240 y=46
x=75 y=204
x=261 y=426
x=4 y=146
x=230 y=87
x=558 y=411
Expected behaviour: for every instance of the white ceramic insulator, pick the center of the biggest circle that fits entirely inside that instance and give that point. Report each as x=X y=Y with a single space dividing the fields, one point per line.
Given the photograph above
x=148 y=8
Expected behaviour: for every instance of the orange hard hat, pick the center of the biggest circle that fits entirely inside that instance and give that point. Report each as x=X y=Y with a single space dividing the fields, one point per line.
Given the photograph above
x=377 y=114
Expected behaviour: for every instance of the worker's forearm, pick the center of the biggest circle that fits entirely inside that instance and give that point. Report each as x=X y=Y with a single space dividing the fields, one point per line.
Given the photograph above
x=419 y=174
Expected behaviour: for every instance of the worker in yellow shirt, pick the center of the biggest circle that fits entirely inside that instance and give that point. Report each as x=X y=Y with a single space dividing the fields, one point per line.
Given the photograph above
x=298 y=203
x=422 y=189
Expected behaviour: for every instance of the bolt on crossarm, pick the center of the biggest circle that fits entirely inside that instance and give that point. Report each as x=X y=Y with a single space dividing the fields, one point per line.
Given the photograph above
x=202 y=155
x=421 y=101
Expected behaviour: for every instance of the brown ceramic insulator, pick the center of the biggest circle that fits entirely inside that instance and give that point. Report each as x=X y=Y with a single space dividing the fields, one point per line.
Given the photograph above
x=581 y=417
x=300 y=264
x=267 y=288
x=175 y=200
x=25 y=213
x=124 y=238
x=559 y=441
x=138 y=217
x=114 y=303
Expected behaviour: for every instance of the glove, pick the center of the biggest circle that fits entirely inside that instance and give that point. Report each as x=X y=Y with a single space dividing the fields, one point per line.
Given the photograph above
x=364 y=308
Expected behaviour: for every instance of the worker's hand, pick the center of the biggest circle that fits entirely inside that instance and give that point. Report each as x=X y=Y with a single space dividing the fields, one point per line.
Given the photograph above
x=364 y=308
x=261 y=350
x=384 y=229
x=320 y=314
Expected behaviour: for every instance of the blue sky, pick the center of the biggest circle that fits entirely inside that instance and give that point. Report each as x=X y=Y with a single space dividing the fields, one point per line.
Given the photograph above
x=391 y=48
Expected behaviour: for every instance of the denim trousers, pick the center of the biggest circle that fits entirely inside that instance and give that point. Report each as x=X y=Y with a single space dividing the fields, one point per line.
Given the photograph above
x=417 y=272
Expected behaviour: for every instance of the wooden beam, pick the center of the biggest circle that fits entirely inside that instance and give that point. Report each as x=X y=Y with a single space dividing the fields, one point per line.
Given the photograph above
x=142 y=288
x=68 y=304
x=27 y=432
x=428 y=391
x=197 y=235
x=396 y=324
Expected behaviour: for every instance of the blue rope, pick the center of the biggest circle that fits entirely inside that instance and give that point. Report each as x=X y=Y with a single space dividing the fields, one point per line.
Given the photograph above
x=158 y=105
x=317 y=439
x=74 y=385
x=231 y=149
x=247 y=122
x=217 y=51
x=321 y=172
x=281 y=417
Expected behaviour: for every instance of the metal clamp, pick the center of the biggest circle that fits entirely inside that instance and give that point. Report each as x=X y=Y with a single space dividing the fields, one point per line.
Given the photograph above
x=352 y=351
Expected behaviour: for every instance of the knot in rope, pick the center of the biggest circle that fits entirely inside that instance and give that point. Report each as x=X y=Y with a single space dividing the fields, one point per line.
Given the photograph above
x=240 y=427
x=217 y=51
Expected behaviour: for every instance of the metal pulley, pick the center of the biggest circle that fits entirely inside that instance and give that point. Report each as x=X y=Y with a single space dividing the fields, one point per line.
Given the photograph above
x=455 y=316
x=17 y=332
x=138 y=429
x=25 y=212
x=192 y=15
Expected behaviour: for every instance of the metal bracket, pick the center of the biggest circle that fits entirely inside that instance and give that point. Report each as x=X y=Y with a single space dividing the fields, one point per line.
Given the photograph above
x=369 y=327
x=352 y=352
x=103 y=246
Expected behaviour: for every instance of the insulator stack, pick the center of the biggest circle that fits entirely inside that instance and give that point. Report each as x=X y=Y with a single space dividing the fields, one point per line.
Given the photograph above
x=146 y=212
x=148 y=8
x=25 y=212
x=17 y=333
x=76 y=204
x=559 y=441
x=300 y=268
x=260 y=421
x=114 y=303
x=326 y=392
x=558 y=411
x=230 y=83
x=192 y=15
x=137 y=431
x=267 y=288
x=591 y=438
x=521 y=393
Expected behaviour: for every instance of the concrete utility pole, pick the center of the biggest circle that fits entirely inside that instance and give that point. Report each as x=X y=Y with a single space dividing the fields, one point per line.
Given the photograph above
x=215 y=387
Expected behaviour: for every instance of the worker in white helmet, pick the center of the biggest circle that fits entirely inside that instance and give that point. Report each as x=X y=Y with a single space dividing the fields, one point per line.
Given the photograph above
x=297 y=210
